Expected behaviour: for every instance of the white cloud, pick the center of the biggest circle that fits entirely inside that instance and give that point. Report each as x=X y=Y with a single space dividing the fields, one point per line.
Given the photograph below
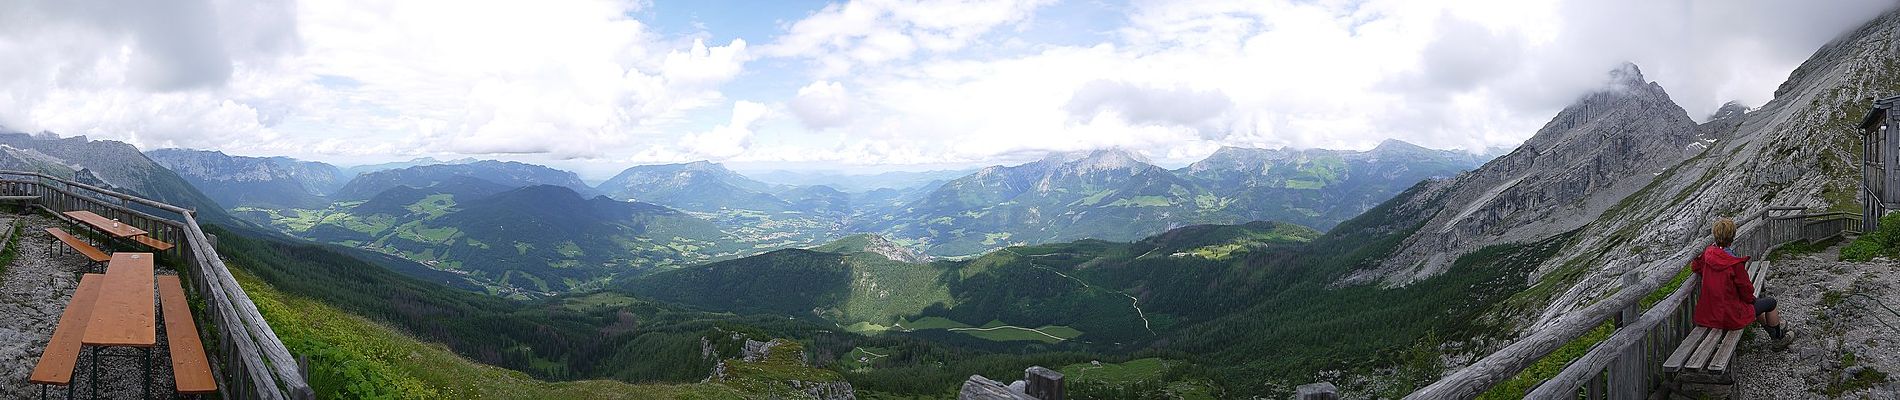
x=1180 y=79
x=869 y=81
x=874 y=32
x=1180 y=105
x=561 y=79
x=730 y=139
x=822 y=104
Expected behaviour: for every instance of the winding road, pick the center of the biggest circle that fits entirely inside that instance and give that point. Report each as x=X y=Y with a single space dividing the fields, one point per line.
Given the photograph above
x=1132 y=301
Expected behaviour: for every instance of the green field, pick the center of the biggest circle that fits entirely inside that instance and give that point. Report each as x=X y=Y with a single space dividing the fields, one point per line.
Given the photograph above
x=1147 y=377
x=353 y=357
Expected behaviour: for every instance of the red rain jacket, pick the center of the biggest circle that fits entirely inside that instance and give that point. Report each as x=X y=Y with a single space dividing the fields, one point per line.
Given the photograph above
x=1727 y=299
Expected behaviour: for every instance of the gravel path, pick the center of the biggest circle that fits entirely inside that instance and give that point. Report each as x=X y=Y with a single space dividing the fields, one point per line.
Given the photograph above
x=34 y=290
x=1842 y=332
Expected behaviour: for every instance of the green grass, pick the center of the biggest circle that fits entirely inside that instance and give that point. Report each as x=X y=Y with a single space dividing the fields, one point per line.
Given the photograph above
x=353 y=357
x=1664 y=291
x=1882 y=242
x=1138 y=378
x=1868 y=377
x=598 y=300
x=12 y=250
x=434 y=205
x=1142 y=201
x=1304 y=185
x=1800 y=248
x=1133 y=370
x=1548 y=367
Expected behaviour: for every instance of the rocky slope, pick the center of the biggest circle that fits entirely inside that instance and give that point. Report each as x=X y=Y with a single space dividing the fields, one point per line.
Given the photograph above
x=1800 y=149
x=110 y=164
x=1608 y=145
x=268 y=182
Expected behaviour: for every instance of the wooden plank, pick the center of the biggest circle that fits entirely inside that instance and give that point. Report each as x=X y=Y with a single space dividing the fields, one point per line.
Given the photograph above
x=191 y=372
x=1474 y=379
x=91 y=253
x=1759 y=278
x=62 y=352
x=246 y=328
x=1725 y=351
x=125 y=313
x=103 y=224
x=1681 y=355
x=155 y=244
x=1703 y=351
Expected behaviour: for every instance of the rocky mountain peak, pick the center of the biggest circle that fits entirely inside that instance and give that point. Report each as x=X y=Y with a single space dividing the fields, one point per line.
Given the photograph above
x=1627 y=75
x=1100 y=160
x=1609 y=144
x=1729 y=110
x=1396 y=146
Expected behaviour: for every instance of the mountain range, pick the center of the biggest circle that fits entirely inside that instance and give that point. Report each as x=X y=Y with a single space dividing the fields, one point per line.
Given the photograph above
x=427 y=213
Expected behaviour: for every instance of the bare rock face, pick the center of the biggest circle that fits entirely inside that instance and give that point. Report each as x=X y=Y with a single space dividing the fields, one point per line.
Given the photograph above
x=756 y=351
x=877 y=244
x=1799 y=149
x=835 y=390
x=1608 y=145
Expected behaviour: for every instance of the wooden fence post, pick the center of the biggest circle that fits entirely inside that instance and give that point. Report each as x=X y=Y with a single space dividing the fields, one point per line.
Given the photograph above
x=1627 y=374
x=1042 y=383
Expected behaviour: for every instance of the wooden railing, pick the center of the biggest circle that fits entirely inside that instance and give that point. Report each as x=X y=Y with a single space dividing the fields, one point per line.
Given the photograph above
x=248 y=359
x=1629 y=362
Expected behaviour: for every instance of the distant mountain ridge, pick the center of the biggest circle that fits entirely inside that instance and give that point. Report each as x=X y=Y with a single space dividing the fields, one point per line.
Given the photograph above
x=533 y=240
x=1115 y=194
x=509 y=173
x=238 y=181
x=695 y=186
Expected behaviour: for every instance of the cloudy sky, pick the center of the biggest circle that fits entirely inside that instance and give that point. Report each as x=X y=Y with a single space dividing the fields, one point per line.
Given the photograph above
x=597 y=85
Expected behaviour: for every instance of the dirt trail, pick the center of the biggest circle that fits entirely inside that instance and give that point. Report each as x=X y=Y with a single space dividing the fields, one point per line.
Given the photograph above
x=1132 y=301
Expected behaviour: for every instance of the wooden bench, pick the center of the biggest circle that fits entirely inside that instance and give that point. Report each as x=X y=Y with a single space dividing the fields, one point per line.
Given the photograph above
x=92 y=253
x=55 y=367
x=1704 y=356
x=151 y=242
x=190 y=370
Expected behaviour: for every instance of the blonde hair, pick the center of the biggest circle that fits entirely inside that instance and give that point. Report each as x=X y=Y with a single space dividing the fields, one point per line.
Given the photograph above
x=1724 y=231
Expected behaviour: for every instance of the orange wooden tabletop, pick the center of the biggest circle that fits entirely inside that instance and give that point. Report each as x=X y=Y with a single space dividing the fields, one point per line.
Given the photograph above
x=124 y=313
x=110 y=227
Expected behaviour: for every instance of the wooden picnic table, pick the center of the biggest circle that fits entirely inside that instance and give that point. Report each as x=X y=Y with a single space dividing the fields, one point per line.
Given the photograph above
x=103 y=224
x=124 y=314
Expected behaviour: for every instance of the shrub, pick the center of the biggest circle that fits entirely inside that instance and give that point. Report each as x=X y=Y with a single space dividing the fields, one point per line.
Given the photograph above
x=1883 y=241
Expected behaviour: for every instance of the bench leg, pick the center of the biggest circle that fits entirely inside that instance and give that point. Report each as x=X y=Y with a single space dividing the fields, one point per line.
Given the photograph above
x=95 y=372
x=146 y=386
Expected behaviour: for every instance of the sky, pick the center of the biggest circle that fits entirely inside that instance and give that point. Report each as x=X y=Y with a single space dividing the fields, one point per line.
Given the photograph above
x=595 y=86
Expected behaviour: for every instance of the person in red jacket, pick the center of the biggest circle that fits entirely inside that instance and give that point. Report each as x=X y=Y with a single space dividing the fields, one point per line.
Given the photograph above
x=1727 y=299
